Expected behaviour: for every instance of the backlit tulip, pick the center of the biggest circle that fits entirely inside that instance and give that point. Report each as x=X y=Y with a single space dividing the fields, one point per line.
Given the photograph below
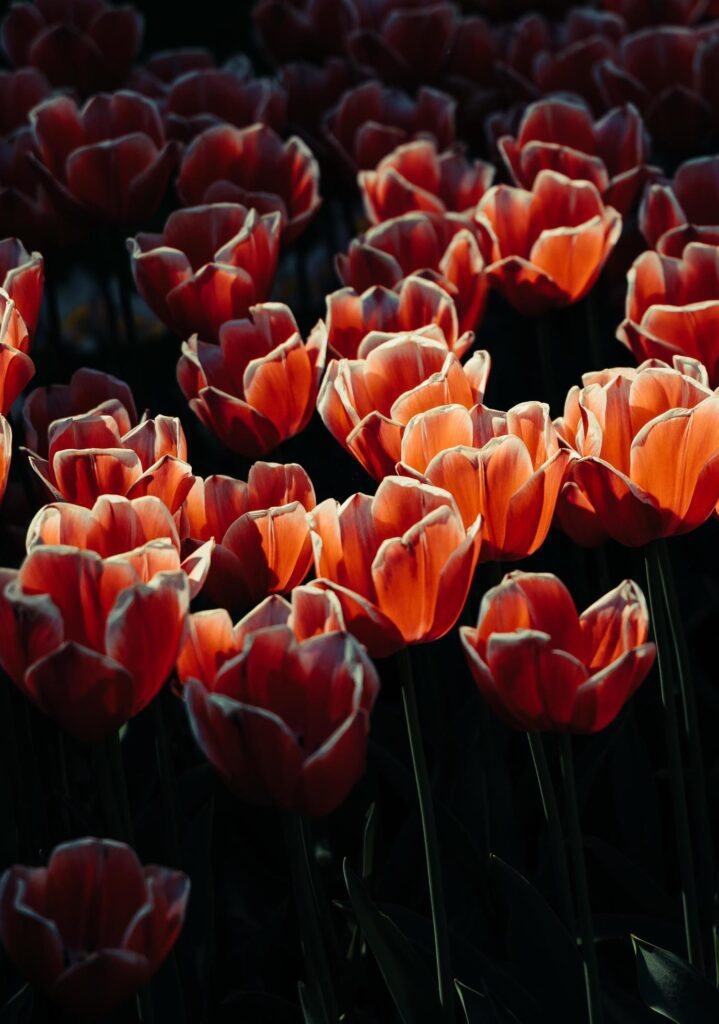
x=21 y=276
x=5 y=453
x=203 y=98
x=260 y=529
x=672 y=307
x=253 y=166
x=649 y=445
x=108 y=160
x=92 y=927
x=16 y=366
x=301 y=744
x=209 y=265
x=87 y=45
x=506 y=467
x=367 y=402
x=548 y=245
x=691 y=200
x=20 y=91
x=444 y=248
x=259 y=385
x=400 y=563
x=88 y=639
x=540 y=666
x=416 y=177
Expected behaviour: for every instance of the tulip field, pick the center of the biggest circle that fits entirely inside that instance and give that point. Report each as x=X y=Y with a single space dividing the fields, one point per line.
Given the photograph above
x=359 y=486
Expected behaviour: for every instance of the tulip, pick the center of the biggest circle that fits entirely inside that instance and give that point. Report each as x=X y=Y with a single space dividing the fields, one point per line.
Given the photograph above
x=301 y=745
x=16 y=366
x=644 y=13
x=87 y=45
x=623 y=423
x=209 y=265
x=107 y=161
x=447 y=249
x=542 y=666
x=5 y=453
x=92 y=927
x=405 y=44
x=507 y=468
x=366 y=403
x=207 y=97
x=311 y=92
x=21 y=277
x=672 y=307
x=253 y=166
x=155 y=77
x=355 y=322
x=20 y=91
x=548 y=245
x=308 y=30
x=569 y=68
x=691 y=200
x=80 y=633
x=400 y=563
x=260 y=529
x=259 y=385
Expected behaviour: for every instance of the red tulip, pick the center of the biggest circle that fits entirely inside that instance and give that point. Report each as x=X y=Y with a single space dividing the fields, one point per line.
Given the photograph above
x=303 y=29
x=87 y=45
x=371 y=120
x=88 y=391
x=92 y=927
x=108 y=160
x=25 y=210
x=405 y=44
x=542 y=667
x=155 y=77
x=400 y=563
x=354 y=323
x=622 y=423
x=444 y=248
x=643 y=13
x=548 y=245
x=672 y=307
x=210 y=265
x=561 y=135
x=260 y=529
x=16 y=366
x=570 y=68
x=137 y=529
x=20 y=91
x=416 y=177
x=91 y=454
x=253 y=166
x=210 y=96
x=5 y=453
x=300 y=745
x=507 y=468
x=313 y=90
x=80 y=633
x=21 y=276
x=690 y=201
x=259 y=385
x=366 y=403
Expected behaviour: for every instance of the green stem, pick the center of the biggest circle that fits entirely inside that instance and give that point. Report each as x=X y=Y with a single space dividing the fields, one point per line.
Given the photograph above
x=445 y=983
x=584 y=910
x=548 y=797
x=667 y=684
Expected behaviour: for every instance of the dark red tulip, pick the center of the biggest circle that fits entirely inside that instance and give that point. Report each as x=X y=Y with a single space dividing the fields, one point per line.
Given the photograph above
x=259 y=385
x=570 y=69
x=561 y=135
x=253 y=166
x=371 y=120
x=154 y=78
x=303 y=29
x=16 y=366
x=5 y=453
x=416 y=177
x=26 y=211
x=211 y=264
x=21 y=277
x=542 y=667
x=204 y=98
x=20 y=91
x=92 y=927
x=445 y=249
x=80 y=632
x=260 y=529
x=690 y=200
x=108 y=160
x=311 y=91
x=644 y=13
x=355 y=322
x=548 y=245
x=300 y=745
x=87 y=45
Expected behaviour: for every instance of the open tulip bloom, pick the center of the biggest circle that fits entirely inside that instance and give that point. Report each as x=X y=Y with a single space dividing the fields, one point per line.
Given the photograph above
x=689 y=204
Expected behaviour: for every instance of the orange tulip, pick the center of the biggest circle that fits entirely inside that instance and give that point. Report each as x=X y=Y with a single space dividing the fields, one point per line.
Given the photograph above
x=5 y=453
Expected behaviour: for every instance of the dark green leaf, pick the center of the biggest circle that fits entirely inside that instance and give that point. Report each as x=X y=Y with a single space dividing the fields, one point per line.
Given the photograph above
x=674 y=989
x=18 y=1009
x=312 y=1012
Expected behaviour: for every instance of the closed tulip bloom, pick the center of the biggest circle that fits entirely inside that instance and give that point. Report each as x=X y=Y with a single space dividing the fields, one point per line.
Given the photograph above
x=400 y=563
x=542 y=667
x=310 y=30
x=253 y=166
x=21 y=277
x=211 y=264
x=260 y=529
x=88 y=455
x=284 y=721
x=506 y=467
x=366 y=403
x=405 y=44
x=80 y=633
x=672 y=307
x=5 y=453
x=690 y=200
x=354 y=321
x=156 y=76
x=548 y=245
x=259 y=385
x=624 y=424
x=643 y=13
x=20 y=91
x=444 y=248
x=92 y=927
x=206 y=97
x=16 y=366
x=108 y=160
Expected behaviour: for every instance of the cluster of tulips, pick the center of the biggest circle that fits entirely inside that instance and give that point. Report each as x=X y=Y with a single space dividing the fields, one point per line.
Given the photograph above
x=265 y=607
